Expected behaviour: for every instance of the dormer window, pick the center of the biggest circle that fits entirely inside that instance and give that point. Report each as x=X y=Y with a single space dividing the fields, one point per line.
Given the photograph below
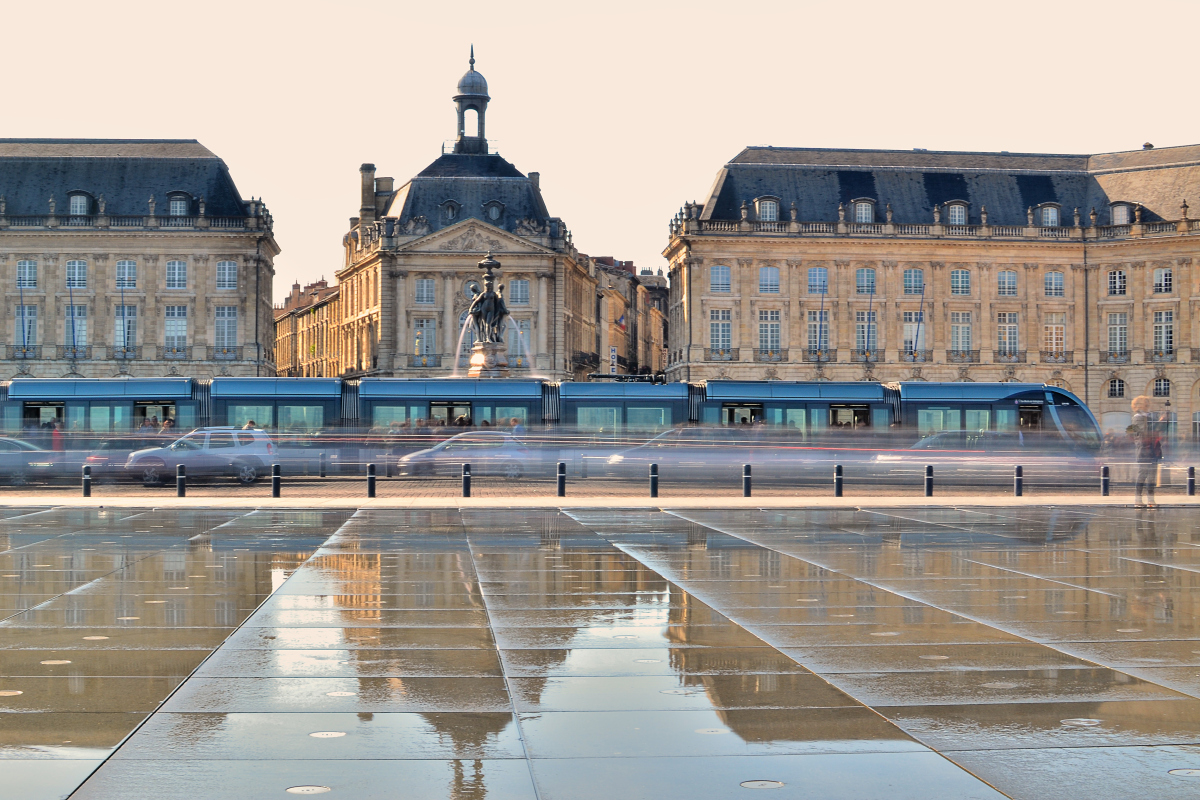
x=1120 y=214
x=178 y=207
x=864 y=211
x=1050 y=217
x=450 y=210
x=80 y=205
x=493 y=210
x=767 y=209
x=956 y=214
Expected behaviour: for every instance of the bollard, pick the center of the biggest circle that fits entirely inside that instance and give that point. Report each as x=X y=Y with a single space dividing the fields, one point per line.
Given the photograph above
x=180 y=481
x=654 y=480
x=1191 y=481
x=1104 y=482
x=562 y=479
x=466 y=478
x=1018 y=481
x=929 y=480
x=745 y=480
x=87 y=480
x=276 y=480
x=370 y=480
x=837 y=480
x=322 y=463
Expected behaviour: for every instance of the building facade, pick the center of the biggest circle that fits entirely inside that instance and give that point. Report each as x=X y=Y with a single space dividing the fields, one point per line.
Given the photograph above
x=131 y=257
x=808 y=264
x=304 y=326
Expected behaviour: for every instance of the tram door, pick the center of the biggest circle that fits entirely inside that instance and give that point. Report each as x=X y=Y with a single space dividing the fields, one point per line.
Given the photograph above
x=41 y=415
x=847 y=416
x=742 y=414
x=153 y=415
x=445 y=413
x=1029 y=417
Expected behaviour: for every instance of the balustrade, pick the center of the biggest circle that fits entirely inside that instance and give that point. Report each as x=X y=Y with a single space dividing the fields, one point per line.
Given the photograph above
x=225 y=354
x=24 y=351
x=962 y=356
x=74 y=353
x=819 y=356
x=713 y=354
x=1114 y=356
x=1160 y=356
x=865 y=228
x=1057 y=356
x=127 y=353
x=180 y=353
x=1008 y=231
x=416 y=361
x=916 y=356
x=1008 y=356
x=1054 y=233
x=866 y=355
x=770 y=355
x=914 y=230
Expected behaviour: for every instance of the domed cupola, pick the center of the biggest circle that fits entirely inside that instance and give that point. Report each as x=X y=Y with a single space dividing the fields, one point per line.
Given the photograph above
x=472 y=96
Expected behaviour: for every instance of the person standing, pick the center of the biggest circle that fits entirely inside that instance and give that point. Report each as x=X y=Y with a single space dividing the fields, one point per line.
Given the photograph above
x=1147 y=450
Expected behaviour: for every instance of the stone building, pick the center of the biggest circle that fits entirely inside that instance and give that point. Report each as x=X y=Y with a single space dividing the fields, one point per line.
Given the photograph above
x=131 y=257
x=411 y=258
x=631 y=319
x=304 y=326
x=807 y=264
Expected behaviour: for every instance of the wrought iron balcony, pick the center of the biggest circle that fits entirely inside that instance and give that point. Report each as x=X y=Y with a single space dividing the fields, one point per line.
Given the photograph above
x=816 y=356
x=873 y=356
x=1114 y=356
x=16 y=351
x=916 y=356
x=174 y=353
x=1058 y=356
x=1008 y=356
x=127 y=352
x=416 y=361
x=770 y=355
x=582 y=359
x=225 y=354
x=714 y=354
x=1160 y=356
x=962 y=356
x=74 y=353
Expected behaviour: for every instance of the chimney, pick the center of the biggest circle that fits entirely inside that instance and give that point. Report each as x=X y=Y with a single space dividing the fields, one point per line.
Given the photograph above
x=367 y=210
x=536 y=179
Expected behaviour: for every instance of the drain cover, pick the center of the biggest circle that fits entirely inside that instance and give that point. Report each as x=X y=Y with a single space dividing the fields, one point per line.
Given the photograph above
x=1081 y=722
x=327 y=734
x=308 y=789
x=761 y=784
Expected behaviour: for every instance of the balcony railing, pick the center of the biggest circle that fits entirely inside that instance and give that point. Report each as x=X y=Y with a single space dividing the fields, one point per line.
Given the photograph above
x=77 y=221
x=1008 y=356
x=866 y=355
x=865 y=228
x=1113 y=231
x=916 y=356
x=1055 y=233
x=126 y=222
x=1008 y=231
x=224 y=354
x=177 y=222
x=26 y=222
x=914 y=230
x=180 y=353
x=714 y=354
x=127 y=352
x=770 y=355
x=74 y=353
x=1114 y=356
x=1160 y=228
x=1160 y=356
x=16 y=351
x=227 y=222
x=819 y=356
x=963 y=230
x=1058 y=356
x=962 y=356
x=581 y=358
x=423 y=361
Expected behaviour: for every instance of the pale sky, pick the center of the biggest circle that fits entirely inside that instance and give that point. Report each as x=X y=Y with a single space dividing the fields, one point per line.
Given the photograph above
x=627 y=109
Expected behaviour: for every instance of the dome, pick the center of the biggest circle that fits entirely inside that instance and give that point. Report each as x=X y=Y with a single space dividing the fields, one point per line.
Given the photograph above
x=473 y=83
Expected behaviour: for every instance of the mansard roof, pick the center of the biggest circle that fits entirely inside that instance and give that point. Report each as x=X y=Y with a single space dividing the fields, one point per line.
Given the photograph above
x=126 y=171
x=912 y=181
x=471 y=182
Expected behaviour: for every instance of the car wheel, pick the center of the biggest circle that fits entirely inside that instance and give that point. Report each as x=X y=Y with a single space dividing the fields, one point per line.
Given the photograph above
x=512 y=470
x=246 y=474
x=151 y=476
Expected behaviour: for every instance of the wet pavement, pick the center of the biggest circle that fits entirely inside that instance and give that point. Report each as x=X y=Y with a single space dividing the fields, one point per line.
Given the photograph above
x=596 y=653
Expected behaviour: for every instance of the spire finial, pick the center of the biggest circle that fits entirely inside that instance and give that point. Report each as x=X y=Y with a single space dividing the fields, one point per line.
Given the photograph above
x=472 y=57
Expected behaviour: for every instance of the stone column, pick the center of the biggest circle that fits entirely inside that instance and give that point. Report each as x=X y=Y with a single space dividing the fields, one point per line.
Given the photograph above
x=400 y=315
x=543 y=318
x=449 y=323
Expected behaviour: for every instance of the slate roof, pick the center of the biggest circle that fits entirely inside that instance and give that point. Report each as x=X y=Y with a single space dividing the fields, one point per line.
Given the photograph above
x=471 y=181
x=126 y=171
x=913 y=181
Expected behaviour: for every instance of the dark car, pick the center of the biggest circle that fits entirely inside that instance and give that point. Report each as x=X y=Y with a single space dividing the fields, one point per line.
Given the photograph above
x=989 y=458
x=22 y=463
x=488 y=453
x=107 y=459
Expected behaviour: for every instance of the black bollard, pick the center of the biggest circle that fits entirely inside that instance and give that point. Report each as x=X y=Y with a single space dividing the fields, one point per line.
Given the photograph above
x=1018 y=481
x=745 y=480
x=1191 y=481
x=654 y=480
x=929 y=480
x=837 y=480
x=370 y=480
x=180 y=481
x=1104 y=481
x=562 y=479
x=466 y=479
x=276 y=480
x=87 y=480
x=322 y=463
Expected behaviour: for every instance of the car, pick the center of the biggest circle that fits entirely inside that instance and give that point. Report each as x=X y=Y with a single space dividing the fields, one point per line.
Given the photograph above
x=488 y=453
x=989 y=458
x=206 y=452
x=107 y=459
x=22 y=462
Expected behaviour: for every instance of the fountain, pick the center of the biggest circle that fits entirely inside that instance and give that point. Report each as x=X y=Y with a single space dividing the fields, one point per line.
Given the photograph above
x=487 y=314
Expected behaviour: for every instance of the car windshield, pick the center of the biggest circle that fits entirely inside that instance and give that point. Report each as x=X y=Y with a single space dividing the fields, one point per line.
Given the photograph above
x=186 y=443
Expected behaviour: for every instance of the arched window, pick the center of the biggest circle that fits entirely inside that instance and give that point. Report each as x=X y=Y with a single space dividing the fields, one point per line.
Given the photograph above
x=768 y=280
x=818 y=280
x=719 y=278
x=178 y=206
x=768 y=211
x=1162 y=387
x=1050 y=216
x=864 y=281
x=1054 y=284
x=76 y=274
x=914 y=281
x=864 y=212
x=956 y=214
x=79 y=205
x=960 y=281
x=1116 y=388
x=470 y=122
x=1006 y=283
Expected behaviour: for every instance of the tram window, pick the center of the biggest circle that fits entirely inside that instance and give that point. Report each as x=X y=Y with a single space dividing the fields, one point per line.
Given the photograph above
x=741 y=415
x=1077 y=425
x=978 y=419
x=1030 y=417
x=505 y=415
x=384 y=416
x=77 y=418
x=1006 y=419
x=818 y=419
x=301 y=418
x=933 y=419
x=261 y=416
x=599 y=419
x=881 y=419
x=795 y=418
x=185 y=417
x=843 y=417
x=647 y=419
x=12 y=417
x=451 y=413
x=711 y=416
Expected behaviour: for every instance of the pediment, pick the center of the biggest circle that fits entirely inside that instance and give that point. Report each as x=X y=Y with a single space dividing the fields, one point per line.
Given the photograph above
x=471 y=236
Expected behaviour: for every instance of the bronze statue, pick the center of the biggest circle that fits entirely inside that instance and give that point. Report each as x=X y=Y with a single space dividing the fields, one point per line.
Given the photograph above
x=488 y=311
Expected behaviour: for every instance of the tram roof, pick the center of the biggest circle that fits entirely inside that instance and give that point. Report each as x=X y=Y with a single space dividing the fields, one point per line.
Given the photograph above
x=449 y=388
x=794 y=390
x=609 y=389
x=275 y=387
x=56 y=389
x=979 y=392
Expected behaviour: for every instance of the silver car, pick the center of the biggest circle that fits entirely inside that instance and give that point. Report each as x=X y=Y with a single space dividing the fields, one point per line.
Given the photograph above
x=488 y=453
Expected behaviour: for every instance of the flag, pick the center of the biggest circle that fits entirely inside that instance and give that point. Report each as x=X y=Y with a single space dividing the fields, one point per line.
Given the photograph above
x=621 y=322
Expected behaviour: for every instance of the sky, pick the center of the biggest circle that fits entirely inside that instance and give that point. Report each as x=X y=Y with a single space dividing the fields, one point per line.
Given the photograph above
x=627 y=109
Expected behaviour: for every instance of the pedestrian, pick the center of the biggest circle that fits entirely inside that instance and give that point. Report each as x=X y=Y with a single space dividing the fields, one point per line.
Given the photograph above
x=517 y=428
x=1147 y=450
x=249 y=426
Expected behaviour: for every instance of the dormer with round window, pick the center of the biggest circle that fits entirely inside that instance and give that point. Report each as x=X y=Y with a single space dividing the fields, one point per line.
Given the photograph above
x=766 y=209
x=956 y=212
x=451 y=210
x=864 y=210
x=1049 y=215
x=493 y=211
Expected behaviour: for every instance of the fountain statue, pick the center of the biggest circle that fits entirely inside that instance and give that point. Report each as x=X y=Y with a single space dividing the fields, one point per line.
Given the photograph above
x=487 y=313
